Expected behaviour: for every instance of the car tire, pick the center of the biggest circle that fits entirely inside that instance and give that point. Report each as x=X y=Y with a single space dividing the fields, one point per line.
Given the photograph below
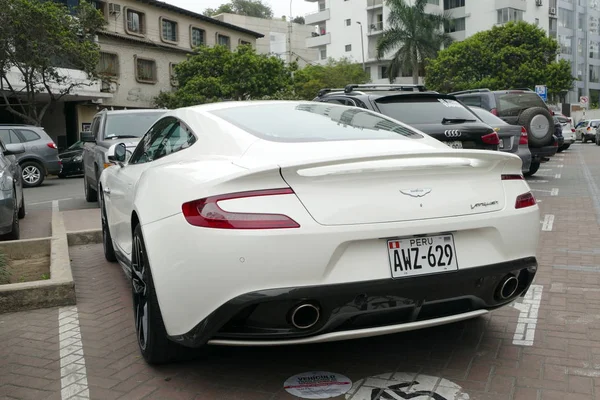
x=560 y=149
x=91 y=195
x=583 y=139
x=32 y=174
x=155 y=346
x=566 y=146
x=535 y=165
x=532 y=116
x=21 y=214
x=109 y=250
x=15 y=233
x=62 y=176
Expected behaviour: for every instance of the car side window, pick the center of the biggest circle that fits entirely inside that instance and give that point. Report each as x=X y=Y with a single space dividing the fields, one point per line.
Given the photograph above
x=28 y=135
x=144 y=152
x=178 y=137
x=8 y=136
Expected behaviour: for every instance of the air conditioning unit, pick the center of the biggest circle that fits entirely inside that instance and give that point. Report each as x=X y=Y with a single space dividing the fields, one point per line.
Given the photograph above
x=539 y=2
x=552 y=10
x=114 y=8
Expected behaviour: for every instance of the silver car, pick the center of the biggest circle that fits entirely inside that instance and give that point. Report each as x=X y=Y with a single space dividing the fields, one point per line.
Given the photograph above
x=12 y=201
x=41 y=154
x=513 y=138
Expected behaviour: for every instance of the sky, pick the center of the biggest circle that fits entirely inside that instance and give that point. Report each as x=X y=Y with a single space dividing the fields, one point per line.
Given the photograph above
x=280 y=7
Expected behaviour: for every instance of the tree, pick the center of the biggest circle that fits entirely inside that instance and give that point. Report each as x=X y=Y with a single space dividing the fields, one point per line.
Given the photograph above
x=299 y=20
x=514 y=55
x=215 y=74
x=335 y=74
x=250 y=8
x=38 y=39
x=413 y=35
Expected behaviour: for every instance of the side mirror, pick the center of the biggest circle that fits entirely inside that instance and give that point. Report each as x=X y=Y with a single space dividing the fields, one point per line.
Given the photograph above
x=87 y=137
x=14 y=149
x=117 y=153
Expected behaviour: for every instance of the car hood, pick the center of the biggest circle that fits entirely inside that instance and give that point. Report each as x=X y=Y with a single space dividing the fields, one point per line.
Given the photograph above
x=70 y=153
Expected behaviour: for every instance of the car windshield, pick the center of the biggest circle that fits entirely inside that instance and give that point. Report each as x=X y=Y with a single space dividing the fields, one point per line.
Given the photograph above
x=313 y=122
x=488 y=117
x=595 y=123
x=130 y=124
x=423 y=110
x=512 y=103
x=76 y=146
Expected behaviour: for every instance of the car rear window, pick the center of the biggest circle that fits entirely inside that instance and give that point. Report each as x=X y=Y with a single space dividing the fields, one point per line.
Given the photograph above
x=488 y=117
x=415 y=110
x=313 y=122
x=512 y=103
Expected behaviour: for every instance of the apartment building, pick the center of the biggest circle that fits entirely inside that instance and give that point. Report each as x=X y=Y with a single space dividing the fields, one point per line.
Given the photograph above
x=281 y=38
x=351 y=28
x=141 y=43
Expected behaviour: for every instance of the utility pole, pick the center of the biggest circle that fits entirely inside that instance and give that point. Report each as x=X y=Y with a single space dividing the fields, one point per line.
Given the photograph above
x=362 y=45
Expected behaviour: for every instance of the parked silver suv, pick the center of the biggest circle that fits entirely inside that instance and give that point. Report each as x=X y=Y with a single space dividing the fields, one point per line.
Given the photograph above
x=41 y=154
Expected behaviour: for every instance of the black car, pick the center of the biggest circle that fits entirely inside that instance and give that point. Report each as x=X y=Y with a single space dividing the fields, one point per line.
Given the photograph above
x=71 y=158
x=439 y=115
x=522 y=107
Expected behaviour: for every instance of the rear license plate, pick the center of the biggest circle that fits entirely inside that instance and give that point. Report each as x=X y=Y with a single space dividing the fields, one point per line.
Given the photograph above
x=422 y=256
x=455 y=145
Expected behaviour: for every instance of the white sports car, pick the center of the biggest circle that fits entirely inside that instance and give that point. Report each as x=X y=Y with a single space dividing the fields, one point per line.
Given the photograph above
x=280 y=222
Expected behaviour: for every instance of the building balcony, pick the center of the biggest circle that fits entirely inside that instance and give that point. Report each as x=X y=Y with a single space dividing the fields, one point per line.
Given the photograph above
x=516 y=4
x=373 y=4
x=316 y=17
x=319 y=40
x=375 y=29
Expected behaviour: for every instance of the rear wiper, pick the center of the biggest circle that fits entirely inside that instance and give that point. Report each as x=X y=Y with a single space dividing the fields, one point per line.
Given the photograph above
x=122 y=137
x=456 y=120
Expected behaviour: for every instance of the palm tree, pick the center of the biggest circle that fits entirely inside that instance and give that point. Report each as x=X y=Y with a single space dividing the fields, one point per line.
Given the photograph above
x=414 y=35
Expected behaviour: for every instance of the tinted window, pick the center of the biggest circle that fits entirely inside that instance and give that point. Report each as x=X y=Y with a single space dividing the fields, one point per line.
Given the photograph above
x=488 y=117
x=513 y=103
x=7 y=136
x=471 y=100
x=76 y=146
x=130 y=124
x=176 y=138
x=28 y=136
x=313 y=122
x=423 y=109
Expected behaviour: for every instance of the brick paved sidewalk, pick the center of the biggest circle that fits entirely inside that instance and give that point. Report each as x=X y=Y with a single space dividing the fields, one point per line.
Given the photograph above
x=562 y=362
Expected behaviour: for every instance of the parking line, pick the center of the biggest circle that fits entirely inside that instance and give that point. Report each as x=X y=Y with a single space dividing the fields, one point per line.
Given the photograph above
x=560 y=166
x=537 y=181
x=557 y=176
x=554 y=192
x=528 y=316
x=548 y=222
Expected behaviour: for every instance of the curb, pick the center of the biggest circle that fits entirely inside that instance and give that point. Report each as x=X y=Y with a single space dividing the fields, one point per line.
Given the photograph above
x=59 y=290
x=91 y=236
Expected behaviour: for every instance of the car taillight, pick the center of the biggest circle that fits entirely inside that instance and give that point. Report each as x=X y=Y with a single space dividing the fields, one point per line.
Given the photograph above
x=524 y=139
x=206 y=213
x=525 y=200
x=511 y=177
x=572 y=130
x=491 y=138
x=494 y=111
x=51 y=145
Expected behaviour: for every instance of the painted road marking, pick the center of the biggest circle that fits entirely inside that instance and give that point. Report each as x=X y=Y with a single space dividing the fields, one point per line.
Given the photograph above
x=536 y=181
x=52 y=201
x=73 y=375
x=557 y=176
x=560 y=166
x=548 y=222
x=554 y=192
x=528 y=315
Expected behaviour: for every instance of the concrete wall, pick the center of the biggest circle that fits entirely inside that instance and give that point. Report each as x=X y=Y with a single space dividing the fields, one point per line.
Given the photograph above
x=278 y=28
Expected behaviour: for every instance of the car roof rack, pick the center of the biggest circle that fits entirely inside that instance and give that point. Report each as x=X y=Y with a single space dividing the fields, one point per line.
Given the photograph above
x=471 y=91
x=408 y=87
x=525 y=89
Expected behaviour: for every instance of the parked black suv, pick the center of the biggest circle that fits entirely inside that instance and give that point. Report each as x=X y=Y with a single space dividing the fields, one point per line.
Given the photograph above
x=519 y=107
x=438 y=115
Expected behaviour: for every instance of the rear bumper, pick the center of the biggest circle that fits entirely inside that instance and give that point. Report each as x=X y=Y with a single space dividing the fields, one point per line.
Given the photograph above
x=53 y=167
x=360 y=309
x=72 y=168
x=537 y=153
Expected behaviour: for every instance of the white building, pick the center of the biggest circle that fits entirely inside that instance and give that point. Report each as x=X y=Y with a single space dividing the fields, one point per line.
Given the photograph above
x=339 y=22
x=276 y=37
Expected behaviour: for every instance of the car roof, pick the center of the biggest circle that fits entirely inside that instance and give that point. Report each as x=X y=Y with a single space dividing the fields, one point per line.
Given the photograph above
x=26 y=125
x=355 y=89
x=134 y=111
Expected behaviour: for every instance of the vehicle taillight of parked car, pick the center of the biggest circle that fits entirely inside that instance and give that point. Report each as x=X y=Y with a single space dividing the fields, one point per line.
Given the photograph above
x=524 y=139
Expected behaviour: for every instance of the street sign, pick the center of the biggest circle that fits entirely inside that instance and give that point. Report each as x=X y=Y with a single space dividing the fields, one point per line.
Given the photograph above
x=542 y=91
x=584 y=100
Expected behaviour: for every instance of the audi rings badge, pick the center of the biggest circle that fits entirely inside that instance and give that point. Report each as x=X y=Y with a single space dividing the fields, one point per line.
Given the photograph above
x=453 y=133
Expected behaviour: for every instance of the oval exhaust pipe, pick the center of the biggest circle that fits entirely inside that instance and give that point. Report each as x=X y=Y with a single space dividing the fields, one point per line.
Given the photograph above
x=305 y=316
x=508 y=287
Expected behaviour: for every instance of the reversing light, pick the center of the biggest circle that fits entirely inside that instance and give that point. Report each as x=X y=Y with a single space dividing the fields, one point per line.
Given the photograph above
x=206 y=213
x=525 y=200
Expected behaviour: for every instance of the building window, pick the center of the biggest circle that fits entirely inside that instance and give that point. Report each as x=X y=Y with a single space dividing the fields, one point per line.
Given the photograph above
x=198 y=37
x=348 y=22
x=323 y=54
x=135 y=22
x=595 y=73
x=348 y=47
x=172 y=74
x=434 y=2
x=537 y=21
x=100 y=6
x=450 y=4
x=224 y=41
x=594 y=49
x=108 y=64
x=566 y=44
x=565 y=18
x=245 y=43
x=509 y=14
x=169 y=30
x=368 y=71
x=384 y=72
x=145 y=70
x=455 y=25
x=581 y=22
